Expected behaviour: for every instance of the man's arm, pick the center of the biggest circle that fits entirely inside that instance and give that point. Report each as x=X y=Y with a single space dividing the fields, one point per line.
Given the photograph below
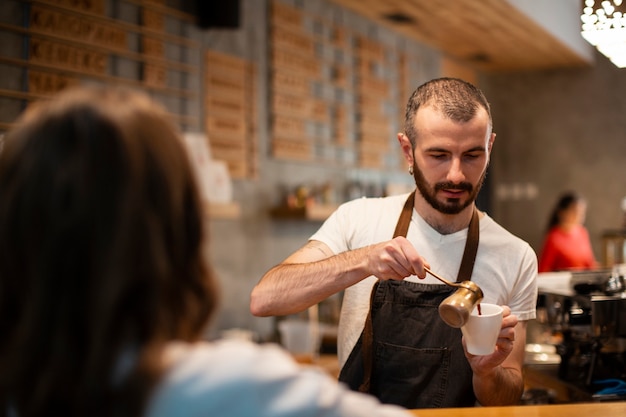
x=499 y=381
x=308 y=276
x=314 y=273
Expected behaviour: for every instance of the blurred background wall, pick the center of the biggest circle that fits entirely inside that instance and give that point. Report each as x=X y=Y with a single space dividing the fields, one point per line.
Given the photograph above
x=557 y=129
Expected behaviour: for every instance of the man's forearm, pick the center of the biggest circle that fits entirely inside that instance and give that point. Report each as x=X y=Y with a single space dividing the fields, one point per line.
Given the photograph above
x=504 y=386
x=289 y=288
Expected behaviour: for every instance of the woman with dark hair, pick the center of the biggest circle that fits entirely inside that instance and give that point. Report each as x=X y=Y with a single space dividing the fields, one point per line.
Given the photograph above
x=567 y=245
x=104 y=287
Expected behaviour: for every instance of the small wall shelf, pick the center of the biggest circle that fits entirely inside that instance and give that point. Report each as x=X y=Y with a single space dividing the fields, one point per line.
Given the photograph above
x=223 y=210
x=613 y=247
x=313 y=212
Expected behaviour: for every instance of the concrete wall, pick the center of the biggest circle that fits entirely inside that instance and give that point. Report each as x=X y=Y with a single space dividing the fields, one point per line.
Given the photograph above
x=556 y=130
x=242 y=250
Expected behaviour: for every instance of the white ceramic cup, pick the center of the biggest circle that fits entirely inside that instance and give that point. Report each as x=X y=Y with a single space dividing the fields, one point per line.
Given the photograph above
x=301 y=338
x=481 y=331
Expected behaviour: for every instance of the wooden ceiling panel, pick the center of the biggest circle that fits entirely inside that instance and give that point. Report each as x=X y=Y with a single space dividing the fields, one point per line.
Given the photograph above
x=490 y=35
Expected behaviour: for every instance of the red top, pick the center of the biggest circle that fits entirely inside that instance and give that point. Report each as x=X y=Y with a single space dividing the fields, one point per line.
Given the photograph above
x=567 y=249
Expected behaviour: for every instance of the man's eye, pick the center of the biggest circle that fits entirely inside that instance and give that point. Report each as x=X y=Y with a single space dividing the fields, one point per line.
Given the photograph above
x=439 y=155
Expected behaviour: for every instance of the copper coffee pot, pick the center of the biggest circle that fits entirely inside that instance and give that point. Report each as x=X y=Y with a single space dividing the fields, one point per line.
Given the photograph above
x=456 y=309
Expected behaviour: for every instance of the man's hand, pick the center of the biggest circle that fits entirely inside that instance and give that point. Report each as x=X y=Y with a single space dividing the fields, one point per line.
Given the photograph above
x=504 y=346
x=395 y=259
x=498 y=378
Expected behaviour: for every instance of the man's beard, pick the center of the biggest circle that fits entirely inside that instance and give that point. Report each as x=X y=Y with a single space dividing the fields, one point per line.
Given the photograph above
x=451 y=205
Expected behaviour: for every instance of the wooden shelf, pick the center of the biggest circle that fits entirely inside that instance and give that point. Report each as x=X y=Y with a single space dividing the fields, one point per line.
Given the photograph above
x=613 y=247
x=313 y=212
x=223 y=210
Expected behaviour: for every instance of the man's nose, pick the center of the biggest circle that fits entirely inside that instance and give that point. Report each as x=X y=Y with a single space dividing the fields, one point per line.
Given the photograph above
x=455 y=173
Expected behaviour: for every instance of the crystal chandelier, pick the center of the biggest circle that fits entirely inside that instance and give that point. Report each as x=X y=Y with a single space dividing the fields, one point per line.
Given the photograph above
x=604 y=26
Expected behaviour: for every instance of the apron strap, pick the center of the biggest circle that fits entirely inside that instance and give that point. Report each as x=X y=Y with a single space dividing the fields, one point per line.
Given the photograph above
x=402 y=227
x=471 y=247
x=367 y=346
x=465 y=274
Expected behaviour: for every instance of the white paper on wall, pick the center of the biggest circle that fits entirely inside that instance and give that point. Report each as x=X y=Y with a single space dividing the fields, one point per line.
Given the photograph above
x=213 y=177
x=217 y=183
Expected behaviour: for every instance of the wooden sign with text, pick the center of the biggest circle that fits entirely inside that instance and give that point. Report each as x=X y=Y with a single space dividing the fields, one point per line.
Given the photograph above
x=230 y=86
x=77 y=28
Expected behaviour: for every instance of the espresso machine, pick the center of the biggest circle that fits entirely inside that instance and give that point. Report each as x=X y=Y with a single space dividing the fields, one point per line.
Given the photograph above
x=586 y=312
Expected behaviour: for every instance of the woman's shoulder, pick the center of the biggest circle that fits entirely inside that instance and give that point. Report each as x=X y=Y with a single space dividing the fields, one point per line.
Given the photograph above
x=238 y=378
x=208 y=376
x=226 y=359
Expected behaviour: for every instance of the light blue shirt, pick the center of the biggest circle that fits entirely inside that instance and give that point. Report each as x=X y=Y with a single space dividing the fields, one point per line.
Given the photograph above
x=236 y=378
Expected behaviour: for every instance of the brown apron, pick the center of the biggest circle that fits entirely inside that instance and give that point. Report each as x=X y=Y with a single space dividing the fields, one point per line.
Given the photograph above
x=407 y=355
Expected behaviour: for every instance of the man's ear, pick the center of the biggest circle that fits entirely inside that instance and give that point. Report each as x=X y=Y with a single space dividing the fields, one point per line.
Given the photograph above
x=491 y=140
x=407 y=148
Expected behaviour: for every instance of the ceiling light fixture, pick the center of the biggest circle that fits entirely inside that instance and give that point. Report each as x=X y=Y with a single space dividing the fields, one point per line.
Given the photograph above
x=605 y=28
x=399 y=17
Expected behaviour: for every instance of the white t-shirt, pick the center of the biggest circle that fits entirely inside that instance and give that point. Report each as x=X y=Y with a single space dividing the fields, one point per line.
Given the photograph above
x=505 y=267
x=235 y=378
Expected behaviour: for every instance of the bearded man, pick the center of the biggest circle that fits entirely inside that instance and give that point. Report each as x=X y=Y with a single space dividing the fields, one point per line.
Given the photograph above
x=392 y=342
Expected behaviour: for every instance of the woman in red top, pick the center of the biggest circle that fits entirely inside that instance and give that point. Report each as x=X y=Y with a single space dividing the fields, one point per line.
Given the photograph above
x=567 y=245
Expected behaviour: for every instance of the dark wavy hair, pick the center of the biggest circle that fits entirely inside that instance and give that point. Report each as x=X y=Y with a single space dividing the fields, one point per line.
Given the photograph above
x=455 y=98
x=102 y=255
x=565 y=201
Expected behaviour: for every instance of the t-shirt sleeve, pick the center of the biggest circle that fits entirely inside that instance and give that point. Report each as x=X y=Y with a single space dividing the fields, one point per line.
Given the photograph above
x=524 y=301
x=336 y=230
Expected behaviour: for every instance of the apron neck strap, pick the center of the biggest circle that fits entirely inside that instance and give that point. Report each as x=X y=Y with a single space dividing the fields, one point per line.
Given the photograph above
x=402 y=227
x=471 y=247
